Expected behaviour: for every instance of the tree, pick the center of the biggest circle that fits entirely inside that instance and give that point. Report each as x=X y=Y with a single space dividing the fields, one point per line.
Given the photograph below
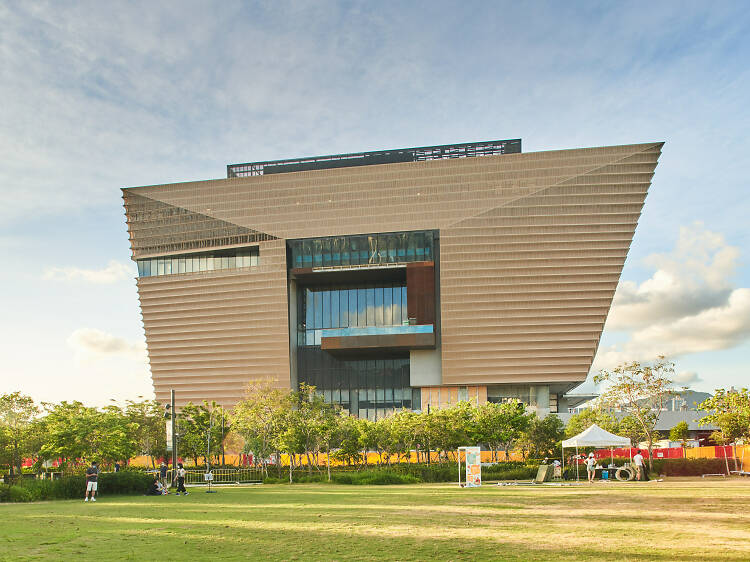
x=452 y=428
x=17 y=416
x=151 y=433
x=259 y=418
x=403 y=428
x=586 y=418
x=75 y=432
x=349 y=450
x=544 y=435
x=199 y=429
x=632 y=429
x=501 y=425
x=368 y=438
x=640 y=389
x=314 y=416
x=289 y=437
x=730 y=411
x=329 y=433
x=681 y=433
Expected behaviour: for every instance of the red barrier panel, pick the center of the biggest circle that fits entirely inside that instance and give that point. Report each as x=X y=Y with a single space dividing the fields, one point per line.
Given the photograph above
x=670 y=453
x=723 y=451
x=622 y=452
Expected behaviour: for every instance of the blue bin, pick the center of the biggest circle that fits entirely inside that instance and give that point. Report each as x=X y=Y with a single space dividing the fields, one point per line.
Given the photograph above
x=605 y=474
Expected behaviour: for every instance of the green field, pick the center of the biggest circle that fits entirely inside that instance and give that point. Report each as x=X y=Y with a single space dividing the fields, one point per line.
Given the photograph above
x=671 y=520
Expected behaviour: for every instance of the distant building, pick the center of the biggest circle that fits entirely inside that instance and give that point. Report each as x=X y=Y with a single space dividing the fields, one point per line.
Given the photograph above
x=667 y=420
x=687 y=400
x=408 y=278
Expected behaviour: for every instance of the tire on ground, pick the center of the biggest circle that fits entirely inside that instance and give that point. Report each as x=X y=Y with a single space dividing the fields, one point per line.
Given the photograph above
x=624 y=474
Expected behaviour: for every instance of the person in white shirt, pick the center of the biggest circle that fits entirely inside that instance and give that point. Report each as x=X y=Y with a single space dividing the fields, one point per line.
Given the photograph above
x=590 y=467
x=639 y=466
x=181 y=479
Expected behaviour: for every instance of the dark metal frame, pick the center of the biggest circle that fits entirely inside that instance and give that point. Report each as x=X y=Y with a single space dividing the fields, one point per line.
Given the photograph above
x=463 y=150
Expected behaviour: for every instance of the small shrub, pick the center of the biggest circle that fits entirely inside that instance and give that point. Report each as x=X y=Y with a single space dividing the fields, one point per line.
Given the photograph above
x=40 y=489
x=521 y=473
x=342 y=478
x=123 y=482
x=438 y=472
x=20 y=494
x=689 y=467
x=69 y=487
x=312 y=478
x=274 y=480
x=73 y=487
x=503 y=472
x=384 y=477
x=4 y=493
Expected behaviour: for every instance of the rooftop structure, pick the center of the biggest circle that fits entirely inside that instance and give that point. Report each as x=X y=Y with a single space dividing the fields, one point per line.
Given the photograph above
x=463 y=150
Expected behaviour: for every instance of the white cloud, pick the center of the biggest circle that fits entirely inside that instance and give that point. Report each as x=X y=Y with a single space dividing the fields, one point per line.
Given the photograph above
x=687 y=306
x=113 y=272
x=694 y=277
x=686 y=378
x=90 y=343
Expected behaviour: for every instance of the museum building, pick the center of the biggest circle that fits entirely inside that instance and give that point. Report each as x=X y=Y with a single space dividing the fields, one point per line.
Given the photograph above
x=407 y=278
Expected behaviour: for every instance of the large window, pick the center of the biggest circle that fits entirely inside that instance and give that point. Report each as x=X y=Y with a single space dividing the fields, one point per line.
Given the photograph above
x=507 y=392
x=349 y=306
x=364 y=249
x=368 y=388
x=203 y=261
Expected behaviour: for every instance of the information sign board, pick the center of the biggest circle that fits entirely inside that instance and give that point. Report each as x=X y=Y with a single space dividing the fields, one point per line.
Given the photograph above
x=473 y=466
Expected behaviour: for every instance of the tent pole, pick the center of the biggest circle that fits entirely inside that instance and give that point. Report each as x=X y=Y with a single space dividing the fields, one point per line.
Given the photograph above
x=577 y=459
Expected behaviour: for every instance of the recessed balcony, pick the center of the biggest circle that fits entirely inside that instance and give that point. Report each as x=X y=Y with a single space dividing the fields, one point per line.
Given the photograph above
x=378 y=337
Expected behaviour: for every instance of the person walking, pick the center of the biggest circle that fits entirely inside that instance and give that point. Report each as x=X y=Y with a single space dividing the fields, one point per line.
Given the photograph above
x=181 y=479
x=590 y=467
x=92 y=475
x=639 y=466
x=163 y=474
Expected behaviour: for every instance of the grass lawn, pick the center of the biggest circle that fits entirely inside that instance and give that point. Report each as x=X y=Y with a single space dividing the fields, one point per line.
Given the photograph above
x=680 y=519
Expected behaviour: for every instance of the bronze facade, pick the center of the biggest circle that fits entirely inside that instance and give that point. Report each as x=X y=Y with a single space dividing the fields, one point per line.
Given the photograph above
x=531 y=247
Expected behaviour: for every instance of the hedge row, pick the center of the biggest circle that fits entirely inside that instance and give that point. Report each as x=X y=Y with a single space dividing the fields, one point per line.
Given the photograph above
x=691 y=467
x=71 y=487
x=364 y=478
x=408 y=474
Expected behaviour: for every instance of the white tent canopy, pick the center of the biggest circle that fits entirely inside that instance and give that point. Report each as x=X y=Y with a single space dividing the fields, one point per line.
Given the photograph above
x=595 y=436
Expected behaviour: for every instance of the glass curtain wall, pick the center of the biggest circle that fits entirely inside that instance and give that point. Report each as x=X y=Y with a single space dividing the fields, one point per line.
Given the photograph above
x=365 y=249
x=367 y=388
x=349 y=306
x=204 y=261
x=506 y=392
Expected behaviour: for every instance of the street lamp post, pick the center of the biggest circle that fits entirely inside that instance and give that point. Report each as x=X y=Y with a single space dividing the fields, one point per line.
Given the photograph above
x=209 y=475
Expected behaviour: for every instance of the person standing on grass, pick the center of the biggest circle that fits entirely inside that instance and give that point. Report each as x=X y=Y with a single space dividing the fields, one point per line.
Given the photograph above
x=590 y=467
x=92 y=475
x=639 y=466
x=163 y=474
x=181 y=479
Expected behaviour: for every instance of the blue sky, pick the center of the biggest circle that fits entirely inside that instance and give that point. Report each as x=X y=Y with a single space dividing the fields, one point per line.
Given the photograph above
x=98 y=96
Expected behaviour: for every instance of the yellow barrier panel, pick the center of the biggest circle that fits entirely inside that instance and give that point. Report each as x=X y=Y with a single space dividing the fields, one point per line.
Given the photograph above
x=700 y=453
x=743 y=456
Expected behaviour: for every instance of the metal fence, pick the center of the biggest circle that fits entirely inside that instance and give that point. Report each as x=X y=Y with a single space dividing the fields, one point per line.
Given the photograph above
x=220 y=476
